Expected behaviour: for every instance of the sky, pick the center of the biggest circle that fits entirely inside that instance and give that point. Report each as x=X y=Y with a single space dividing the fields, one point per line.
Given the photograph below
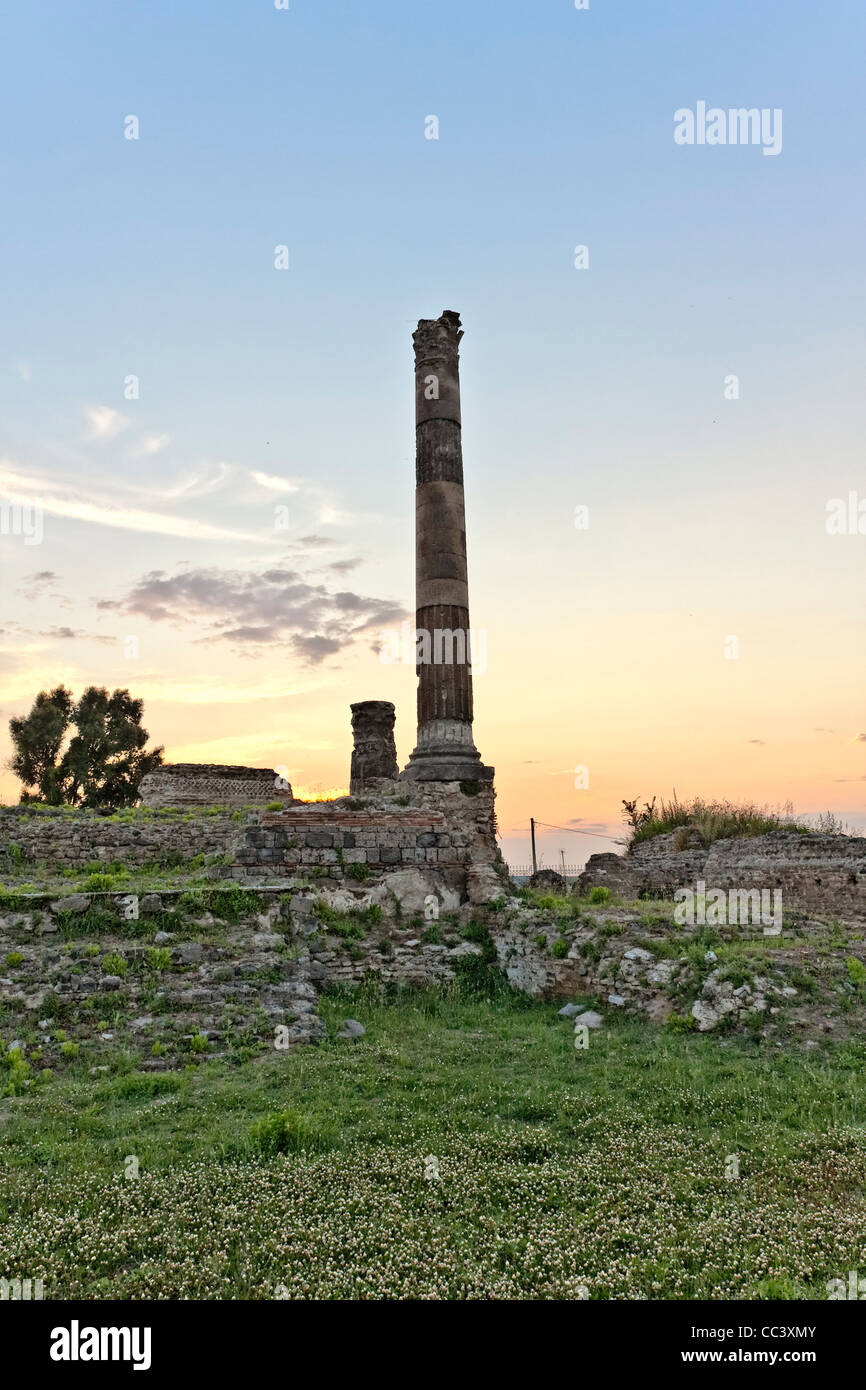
x=655 y=428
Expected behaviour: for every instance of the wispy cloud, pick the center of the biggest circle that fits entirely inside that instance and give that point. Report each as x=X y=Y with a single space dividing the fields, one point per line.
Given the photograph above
x=152 y=444
x=76 y=503
x=207 y=478
x=40 y=584
x=273 y=483
x=105 y=422
x=342 y=566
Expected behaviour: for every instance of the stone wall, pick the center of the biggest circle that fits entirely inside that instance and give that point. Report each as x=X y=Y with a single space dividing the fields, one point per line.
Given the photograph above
x=428 y=838
x=73 y=840
x=445 y=829
x=825 y=873
x=212 y=784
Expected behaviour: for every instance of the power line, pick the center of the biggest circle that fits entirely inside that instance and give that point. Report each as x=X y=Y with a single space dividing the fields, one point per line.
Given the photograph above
x=573 y=830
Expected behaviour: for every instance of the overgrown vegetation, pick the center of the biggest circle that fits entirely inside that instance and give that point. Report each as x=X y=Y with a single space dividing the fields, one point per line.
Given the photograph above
x=719 y=820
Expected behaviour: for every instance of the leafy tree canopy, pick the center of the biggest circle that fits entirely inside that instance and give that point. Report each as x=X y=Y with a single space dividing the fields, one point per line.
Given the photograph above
x=86 y=753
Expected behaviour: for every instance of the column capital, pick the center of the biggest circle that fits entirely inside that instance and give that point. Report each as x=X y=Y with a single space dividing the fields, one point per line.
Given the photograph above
x=438 y=340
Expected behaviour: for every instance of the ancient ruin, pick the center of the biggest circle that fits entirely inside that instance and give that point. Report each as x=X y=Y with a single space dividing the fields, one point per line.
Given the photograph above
x=374 y=754
x=401 y=879
x=212 y=784
x=445 y=750
x=430 y=830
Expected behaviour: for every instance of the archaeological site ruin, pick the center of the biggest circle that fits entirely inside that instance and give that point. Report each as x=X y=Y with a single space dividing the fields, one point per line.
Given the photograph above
x=401 y=879
x=433 y=823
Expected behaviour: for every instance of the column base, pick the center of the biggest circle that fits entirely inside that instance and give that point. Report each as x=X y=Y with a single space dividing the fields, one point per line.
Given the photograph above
x=446 y=752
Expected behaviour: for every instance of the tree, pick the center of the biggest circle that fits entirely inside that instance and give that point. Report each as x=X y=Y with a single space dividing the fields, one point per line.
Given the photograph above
x=38 y=739
x=106 y=756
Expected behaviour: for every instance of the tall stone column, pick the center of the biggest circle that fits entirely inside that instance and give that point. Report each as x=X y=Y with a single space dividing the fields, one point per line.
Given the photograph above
x=445 y=751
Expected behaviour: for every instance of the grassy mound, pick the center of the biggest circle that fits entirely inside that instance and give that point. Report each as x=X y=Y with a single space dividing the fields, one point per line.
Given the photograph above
x=720 y=820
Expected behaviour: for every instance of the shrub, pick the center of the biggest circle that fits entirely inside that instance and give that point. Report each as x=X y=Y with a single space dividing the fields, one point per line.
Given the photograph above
x=681 y=1023
x=560 y=948
x=93 y=922
x=480 y=934
x=358 y=871
x=198 y=1042
x=541 y=941
x=113 y=964
x=17 y=1077
x=286 y=1131
x=159 y=958
x=99 y=883
x=158 y=1049
x=348 y=925
x=14 y=958
x=856 y=972
x=599 y=894
x=274 y=806
x=69 y=1049
x=232 y=903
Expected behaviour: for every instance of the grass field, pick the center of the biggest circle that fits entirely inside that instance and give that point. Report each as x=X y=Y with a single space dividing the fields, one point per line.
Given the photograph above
x=604 y=1173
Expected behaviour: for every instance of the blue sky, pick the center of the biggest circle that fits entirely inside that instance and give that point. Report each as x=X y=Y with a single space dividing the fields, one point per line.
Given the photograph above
x=261 y=127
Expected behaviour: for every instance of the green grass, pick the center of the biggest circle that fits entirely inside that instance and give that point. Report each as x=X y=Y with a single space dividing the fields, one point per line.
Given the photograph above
x=560 y=1168
x=722 y=820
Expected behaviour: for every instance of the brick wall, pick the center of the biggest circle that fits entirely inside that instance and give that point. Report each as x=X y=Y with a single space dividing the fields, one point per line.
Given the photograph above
x=282 y=843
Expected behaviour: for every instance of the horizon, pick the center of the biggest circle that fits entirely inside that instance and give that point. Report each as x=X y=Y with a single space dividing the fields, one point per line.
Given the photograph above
x=222 y=448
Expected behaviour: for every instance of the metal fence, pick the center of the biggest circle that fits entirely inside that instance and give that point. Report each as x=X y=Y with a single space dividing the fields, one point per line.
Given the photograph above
x=569 y=871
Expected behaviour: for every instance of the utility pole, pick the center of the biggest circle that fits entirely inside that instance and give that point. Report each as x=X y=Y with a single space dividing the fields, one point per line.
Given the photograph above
x=562 y=857
x=532 y=831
